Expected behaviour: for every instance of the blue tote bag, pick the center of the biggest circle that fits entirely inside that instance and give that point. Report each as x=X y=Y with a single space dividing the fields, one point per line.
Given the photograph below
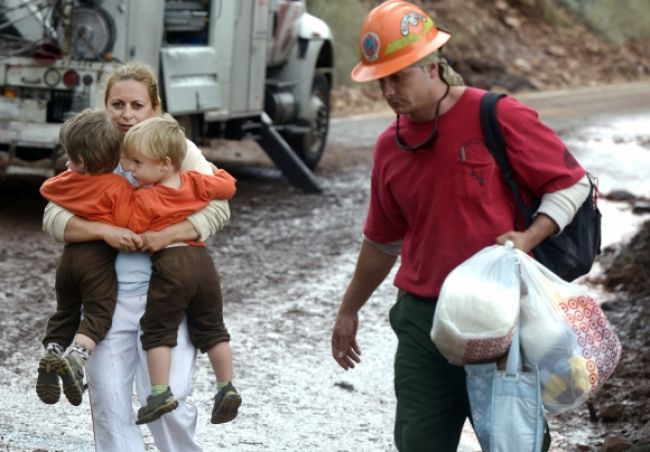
x=506 y=405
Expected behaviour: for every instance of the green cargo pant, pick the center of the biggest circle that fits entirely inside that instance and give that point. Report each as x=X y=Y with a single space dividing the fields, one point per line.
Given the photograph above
x=432 y=402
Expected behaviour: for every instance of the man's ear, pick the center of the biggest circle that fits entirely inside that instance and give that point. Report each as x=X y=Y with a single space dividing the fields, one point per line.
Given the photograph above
x=432 y=70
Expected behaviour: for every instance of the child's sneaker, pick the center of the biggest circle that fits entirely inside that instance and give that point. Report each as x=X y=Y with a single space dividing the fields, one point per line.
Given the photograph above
x=48 y=388
x=226 y=404
x=157 y=405
x=72 y=374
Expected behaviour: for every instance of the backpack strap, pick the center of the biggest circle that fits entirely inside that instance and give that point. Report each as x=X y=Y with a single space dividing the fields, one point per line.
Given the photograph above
x=497 y=147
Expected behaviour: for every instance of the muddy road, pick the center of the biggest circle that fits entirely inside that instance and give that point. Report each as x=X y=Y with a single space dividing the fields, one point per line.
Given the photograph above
x=285 y=260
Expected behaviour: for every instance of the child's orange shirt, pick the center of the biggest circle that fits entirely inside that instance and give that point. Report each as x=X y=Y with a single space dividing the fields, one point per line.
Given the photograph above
x=109 y=198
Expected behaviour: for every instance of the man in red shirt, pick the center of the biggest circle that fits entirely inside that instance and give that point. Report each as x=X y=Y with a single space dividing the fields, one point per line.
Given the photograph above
x=437 y=197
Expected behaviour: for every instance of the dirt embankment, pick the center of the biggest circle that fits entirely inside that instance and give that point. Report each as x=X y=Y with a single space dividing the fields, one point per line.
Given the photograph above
x=620 y=410
x=513 y=46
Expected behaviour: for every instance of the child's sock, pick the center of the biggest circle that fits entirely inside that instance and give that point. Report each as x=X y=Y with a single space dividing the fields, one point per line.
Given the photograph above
x=79 y=351
x=223 y=384
x=54 y=348
x=158 y=389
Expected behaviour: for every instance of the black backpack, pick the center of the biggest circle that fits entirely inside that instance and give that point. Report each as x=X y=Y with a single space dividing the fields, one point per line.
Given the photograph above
x=571 y=253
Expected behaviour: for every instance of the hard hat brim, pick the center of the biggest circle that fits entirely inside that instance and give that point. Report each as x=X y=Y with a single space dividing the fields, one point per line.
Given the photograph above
x=364 y=72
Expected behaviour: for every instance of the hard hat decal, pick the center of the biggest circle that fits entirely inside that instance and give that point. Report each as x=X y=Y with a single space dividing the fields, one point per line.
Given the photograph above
x=408 y=21
x=370 y=46
x=411 y=19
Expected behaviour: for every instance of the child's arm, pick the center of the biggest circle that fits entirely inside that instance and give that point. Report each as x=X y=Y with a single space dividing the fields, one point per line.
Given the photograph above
x=159 y=206
x=103 y=197
x=198 y=226
x=216 y=215
x=62 y=226
x=221 y=185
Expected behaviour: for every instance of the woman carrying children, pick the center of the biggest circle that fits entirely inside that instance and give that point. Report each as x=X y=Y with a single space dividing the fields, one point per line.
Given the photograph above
x=132 y=96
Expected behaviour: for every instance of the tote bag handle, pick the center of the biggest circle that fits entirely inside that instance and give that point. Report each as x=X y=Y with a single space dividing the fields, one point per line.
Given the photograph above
x=513 y=363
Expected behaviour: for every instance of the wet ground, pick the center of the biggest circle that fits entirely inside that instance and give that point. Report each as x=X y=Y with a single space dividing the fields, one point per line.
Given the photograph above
x=285 y=260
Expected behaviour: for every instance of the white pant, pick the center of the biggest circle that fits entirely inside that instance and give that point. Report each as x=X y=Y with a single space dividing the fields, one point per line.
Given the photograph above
x=118 y=362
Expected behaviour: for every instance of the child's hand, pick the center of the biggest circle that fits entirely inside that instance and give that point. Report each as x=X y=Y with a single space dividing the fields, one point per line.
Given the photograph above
x=122 y=239
x=153 y=241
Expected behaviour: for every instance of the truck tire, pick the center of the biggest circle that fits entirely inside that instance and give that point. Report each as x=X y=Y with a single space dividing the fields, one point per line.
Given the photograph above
x=309 y=146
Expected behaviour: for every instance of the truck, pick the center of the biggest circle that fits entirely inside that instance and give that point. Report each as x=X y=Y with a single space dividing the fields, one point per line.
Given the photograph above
x=228 y=69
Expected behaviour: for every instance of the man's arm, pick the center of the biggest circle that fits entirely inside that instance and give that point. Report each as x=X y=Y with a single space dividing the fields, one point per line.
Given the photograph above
x=556 y=211
x=373 y=265
x=562 y=205
x=542 y=227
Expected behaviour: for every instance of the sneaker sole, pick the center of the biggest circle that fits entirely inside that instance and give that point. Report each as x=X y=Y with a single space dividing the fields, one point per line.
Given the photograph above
x=154 y=415
x=71 y=388
x=227 y=410
x=47 y=382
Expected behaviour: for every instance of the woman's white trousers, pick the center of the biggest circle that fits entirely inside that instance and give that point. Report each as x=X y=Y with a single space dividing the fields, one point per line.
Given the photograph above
x=116 y=364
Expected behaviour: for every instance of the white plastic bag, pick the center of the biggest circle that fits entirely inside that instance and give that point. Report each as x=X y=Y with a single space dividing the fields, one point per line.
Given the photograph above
x=478 y=307
x=566 y=334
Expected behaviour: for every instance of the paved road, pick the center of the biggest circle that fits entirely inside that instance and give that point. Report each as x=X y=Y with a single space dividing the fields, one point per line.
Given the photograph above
x=560 y=108
x=585 y=104
x=280 y=302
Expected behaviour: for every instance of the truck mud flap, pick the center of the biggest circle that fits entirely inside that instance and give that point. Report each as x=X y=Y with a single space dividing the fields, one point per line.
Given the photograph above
x=286 y=159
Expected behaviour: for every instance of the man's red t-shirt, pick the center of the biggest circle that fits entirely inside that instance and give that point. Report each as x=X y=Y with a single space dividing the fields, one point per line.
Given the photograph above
x=448 y=201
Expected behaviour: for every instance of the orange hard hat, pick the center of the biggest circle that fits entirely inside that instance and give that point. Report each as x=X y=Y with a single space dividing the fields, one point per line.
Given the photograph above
x=393 y=36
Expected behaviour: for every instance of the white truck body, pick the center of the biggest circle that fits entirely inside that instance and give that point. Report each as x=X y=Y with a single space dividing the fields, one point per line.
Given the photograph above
x=227 y=68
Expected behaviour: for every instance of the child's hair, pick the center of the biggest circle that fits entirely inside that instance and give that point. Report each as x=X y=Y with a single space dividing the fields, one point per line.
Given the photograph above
x=138 y=72
x=157 y=138
x=91 y=137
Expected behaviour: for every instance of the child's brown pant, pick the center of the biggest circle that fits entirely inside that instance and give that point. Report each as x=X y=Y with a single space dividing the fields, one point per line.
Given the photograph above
x=85 y=280
x=184 y=280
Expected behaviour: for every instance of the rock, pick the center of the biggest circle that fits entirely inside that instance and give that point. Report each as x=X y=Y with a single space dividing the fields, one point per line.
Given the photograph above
x=642 y=436
x=641 y=207
x=616 y=444
x=611 y=412
x=593 y=47
x=565 y=76
x=645 y=430
x=345 y=385
x=501 y=5
x=620 y=195
x=512 y=22
x=555 y=51
x=481 y=65
x=523 y=65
